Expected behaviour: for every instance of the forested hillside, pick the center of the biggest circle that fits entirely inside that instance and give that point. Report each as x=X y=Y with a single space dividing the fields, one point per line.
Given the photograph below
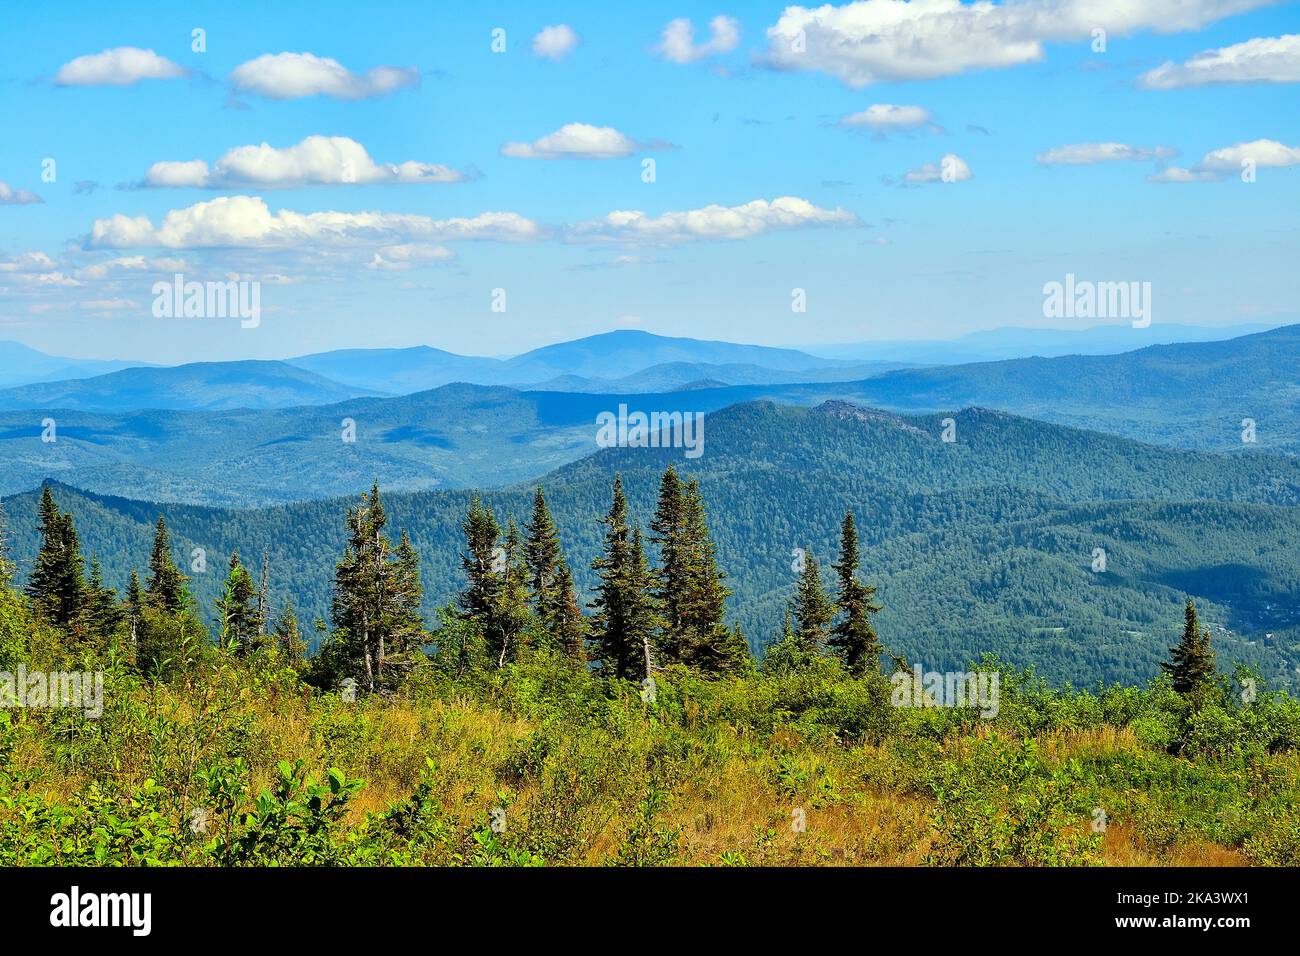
x=983 y=544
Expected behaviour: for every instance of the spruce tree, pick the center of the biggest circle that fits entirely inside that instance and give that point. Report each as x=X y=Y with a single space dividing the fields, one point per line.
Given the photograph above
x=625 y=621
x=509 y=620
x=288 y=637
x=135 y=602
x=7 y=567
x=565 y=624
x=543 y=555
x=239 y=623
x=57 y=586
x=166 y=585
x=1191 y=664
x=376 y=599
x=480 y=563
x=854 y=638
x=103 y=613
x=668 y=532
x=812 y=609
x=705 y=641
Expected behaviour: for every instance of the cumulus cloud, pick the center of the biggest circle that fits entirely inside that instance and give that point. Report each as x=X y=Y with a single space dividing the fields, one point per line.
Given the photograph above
x=16 y=197
x=555 y=43
x=1261 y=152
x=1262 y=60
x=1088 y=154
x=409 y=255
x=103 y=270
x=120 y=66
x=710 y=222
x=884 y=116
x=246 y=221
x=316 y=161
x=950 y=169
x=291 y=76
x=870 y=41
x=577 y=141
x=1219 y=164
x=677 y=45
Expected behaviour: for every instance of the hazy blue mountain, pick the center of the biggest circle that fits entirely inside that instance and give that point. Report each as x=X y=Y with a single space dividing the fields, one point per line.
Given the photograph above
x=612 y=355
x=1191 y=395
x=1194 y=394
x=201 y=385
x=1019 y=342
x=672 y=376
x=987 y=543
x=20 y=365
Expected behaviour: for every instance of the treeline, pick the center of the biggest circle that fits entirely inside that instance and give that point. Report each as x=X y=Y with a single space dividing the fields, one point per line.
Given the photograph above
x=659 y=601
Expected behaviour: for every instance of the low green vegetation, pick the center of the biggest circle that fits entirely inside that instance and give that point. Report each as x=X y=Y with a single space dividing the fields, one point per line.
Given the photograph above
x=521 y=731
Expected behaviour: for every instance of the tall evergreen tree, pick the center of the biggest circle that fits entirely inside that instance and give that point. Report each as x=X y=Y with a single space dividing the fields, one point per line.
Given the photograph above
x=625 y=621
x=668 y=532
x=376 y=599
x=543 y=555
x=57 y=586
x=566 y=626
x=706 y=642
x=165 y=588
x=103 y=613
x=1191 y=663
x=510 y=618
x=238 y=619
x=481 y=563
x=811 y=608
x=288 y=637
x=135 y=603
x=854 y=638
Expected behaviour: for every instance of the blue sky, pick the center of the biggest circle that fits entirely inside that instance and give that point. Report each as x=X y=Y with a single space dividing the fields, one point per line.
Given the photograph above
x=738 y=117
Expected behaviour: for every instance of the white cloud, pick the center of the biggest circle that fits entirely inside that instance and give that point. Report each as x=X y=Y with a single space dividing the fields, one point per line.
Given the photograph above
x=1219 y=164
x=710 y=222
x=1261 y=152
x=555 y=43
x=317 y=160
x=16 y=197
x=102 y=270
x=27 y=262
x=869 y=41
x=1262 y=60
x=1088 y=154
x=576 y=141
x=1178 y=174
x=245 y=221
x=409 y=255
x=950 y=169
x=678 y=45
x=884 y=116
x=291 y=76
x=120 y=66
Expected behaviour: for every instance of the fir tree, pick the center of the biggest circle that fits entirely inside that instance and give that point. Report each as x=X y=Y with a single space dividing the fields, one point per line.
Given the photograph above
x=239 y=622
x=705 y=642
x=288 y=637
x=543 y=554
x=57 y=587
x=480 y=561
x=508 y=622
x=1191 y=664
x=812 y=609
x=565 y=624
x=668 y=532
x=377 y=598
x=854 y=638
x=625 y=620
x=166 y=585
x=103 y=613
